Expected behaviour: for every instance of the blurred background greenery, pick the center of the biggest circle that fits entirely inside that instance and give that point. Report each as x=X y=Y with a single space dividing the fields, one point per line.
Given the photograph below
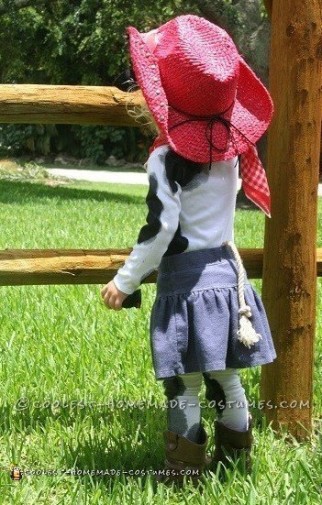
x=84 y=42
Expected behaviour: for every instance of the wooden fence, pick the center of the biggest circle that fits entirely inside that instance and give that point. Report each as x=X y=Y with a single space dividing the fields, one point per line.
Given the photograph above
x=290 y=261
x=89 y=266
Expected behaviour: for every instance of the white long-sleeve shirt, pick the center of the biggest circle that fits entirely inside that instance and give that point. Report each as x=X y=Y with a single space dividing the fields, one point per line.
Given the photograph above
x=187 y=217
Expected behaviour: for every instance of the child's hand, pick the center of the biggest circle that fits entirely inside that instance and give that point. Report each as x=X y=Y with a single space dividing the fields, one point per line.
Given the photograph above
x=113 y=297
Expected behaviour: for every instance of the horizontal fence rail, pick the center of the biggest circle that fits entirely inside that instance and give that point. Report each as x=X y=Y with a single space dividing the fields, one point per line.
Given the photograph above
x=89 y=266
x=49 y=104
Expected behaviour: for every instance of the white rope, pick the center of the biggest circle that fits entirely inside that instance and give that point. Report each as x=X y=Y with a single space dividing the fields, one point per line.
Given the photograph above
x=246 y=333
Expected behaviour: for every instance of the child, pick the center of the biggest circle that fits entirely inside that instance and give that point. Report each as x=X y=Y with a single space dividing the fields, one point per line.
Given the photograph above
x=207 y=321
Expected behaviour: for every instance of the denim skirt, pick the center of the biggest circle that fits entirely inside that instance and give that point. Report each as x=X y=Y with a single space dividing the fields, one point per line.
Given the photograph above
x=194 y=319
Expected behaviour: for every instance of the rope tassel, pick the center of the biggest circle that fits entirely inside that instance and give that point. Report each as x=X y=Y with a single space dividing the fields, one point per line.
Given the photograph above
x=246 y=333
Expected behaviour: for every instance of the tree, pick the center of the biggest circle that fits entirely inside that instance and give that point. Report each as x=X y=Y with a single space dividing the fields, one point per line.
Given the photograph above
x=6 y=6
x=83 y=42
x=77 y=42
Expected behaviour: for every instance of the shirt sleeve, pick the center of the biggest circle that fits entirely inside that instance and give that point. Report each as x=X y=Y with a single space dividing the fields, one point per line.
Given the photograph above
x=163 y=201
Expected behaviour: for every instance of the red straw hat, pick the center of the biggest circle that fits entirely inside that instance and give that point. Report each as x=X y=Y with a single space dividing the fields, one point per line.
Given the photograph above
x=207 y=102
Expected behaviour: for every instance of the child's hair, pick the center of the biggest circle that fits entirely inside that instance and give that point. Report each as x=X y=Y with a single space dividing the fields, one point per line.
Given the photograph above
x=142 y=115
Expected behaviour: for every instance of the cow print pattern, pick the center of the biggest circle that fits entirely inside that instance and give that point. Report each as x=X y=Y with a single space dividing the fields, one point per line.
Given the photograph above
x=178 y=171
x=155 y=206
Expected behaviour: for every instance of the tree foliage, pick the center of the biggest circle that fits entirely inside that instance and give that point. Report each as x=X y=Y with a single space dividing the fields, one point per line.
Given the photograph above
x=84 y=42
x=75 y=41
x=10 y=5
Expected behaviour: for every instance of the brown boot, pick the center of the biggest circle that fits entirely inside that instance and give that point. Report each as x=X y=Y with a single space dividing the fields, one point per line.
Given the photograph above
x=184 y=458
x=232 y=447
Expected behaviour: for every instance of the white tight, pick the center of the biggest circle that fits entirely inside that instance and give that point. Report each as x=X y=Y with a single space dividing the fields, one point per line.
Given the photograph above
x=224 y=392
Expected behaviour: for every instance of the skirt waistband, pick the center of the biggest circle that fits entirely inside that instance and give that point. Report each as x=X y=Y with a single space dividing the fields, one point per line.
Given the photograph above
x=194 y=259
x=197 y=270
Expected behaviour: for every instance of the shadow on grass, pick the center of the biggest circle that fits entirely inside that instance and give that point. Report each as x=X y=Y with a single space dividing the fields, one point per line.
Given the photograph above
x=97 y=168
x=18 y=192
x=133 y=455
x=98 y=443
x=113 y=446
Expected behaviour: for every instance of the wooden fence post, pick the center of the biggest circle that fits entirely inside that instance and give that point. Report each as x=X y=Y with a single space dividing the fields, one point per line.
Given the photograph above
x=289 y=270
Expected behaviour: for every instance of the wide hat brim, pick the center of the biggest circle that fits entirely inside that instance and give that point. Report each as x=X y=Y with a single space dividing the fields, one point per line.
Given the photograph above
x=249 y=117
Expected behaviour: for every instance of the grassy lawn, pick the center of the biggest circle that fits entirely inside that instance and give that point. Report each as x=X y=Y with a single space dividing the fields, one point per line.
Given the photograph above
x=77 y=389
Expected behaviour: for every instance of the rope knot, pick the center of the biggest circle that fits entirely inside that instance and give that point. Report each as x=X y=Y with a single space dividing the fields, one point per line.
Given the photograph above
x=245 y=311
x=246 y=333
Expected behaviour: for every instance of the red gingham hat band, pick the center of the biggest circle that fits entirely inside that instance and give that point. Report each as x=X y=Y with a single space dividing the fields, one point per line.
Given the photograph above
x=254 y=180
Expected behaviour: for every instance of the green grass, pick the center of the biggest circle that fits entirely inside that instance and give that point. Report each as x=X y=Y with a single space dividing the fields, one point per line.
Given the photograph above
x=69 y=369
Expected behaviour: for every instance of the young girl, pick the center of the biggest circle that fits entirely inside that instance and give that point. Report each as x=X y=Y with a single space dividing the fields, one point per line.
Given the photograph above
x=207 y=321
